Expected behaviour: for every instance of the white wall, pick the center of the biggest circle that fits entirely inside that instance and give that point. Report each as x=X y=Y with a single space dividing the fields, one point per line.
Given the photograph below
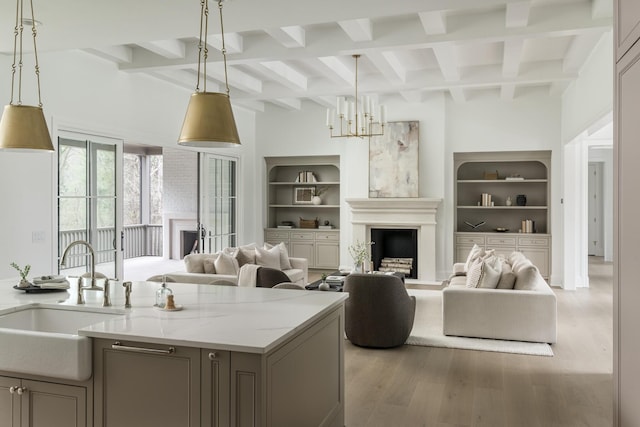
x=82 y=91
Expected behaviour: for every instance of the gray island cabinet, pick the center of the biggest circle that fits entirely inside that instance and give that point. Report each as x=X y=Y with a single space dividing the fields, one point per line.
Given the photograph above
x=232 y=357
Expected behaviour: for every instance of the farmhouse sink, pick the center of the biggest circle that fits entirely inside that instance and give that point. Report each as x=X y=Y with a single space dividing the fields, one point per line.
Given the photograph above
x=42 y=339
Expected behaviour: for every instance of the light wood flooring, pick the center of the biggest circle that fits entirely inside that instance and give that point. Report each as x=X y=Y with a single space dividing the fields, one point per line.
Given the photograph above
x=425 y=386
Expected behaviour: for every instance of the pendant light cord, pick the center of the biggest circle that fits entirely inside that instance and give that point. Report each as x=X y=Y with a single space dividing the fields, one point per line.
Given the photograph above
x=224 y=49
x=34 y=32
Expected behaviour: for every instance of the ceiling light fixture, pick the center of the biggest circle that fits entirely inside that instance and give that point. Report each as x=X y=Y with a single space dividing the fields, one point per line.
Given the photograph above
x=23 y=127
x=209 y=119
x=357 y=119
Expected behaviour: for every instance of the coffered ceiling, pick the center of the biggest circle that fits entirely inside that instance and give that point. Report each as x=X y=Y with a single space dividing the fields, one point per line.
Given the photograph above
x=286 y=51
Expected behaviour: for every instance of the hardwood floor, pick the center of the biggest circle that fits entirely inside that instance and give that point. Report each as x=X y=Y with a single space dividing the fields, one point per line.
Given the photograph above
x=426 y=386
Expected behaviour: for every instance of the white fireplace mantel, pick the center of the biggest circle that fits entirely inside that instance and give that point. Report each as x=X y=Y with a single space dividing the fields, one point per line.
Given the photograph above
x=413 y=213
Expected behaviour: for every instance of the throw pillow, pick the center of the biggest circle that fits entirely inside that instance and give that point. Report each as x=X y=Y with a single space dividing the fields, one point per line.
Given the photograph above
x=475 y=253
x=285 y=264
x=507 y=278
x=209 y=265
x=193 y=263
x=527 y=278
x=245 y=256
x=474 y=274
x=226 y=264
x=491 y=272
x=268 y=257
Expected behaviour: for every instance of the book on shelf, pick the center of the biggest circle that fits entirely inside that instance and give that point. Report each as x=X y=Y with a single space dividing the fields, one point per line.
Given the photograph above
x=514 y=178
x=285 y=226
x=306 y=176
x=335 y=279
x=325 y=227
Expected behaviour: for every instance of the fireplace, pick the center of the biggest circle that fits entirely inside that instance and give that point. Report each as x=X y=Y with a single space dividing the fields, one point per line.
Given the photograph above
x=395 y=249
x=188 y=242
x=417 y=214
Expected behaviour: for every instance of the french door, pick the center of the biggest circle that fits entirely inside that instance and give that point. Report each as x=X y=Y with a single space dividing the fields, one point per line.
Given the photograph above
x=217 y=200
x=89 y=209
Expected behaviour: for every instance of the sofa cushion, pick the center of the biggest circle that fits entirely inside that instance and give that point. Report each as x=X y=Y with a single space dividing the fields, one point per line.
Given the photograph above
x=226 y=264
x=527 y=278
x=507 y=278
x=475 y=253
x=285 y=264
x=209 y=265
x=268 y=257
x=484 y=273
x=194 y=263
x=245 y=256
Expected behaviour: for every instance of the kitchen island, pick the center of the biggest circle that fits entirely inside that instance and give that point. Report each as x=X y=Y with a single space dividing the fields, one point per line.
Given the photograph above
x=231 y=356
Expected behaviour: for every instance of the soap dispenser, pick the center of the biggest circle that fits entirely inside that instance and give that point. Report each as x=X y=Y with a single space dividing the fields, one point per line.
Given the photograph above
x=162 y=294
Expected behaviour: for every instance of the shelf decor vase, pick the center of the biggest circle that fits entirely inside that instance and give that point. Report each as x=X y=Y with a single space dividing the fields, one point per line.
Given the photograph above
x=521 y=200
x=316 y=200
x=508 y=202
x=324 y=286
x=24 y=283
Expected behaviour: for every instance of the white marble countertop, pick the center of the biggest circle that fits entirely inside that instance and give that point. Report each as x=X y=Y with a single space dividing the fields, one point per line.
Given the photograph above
x=253 y=320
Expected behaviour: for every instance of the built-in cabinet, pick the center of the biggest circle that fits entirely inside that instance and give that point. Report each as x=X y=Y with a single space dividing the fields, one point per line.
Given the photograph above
x=290 y=180
x=626 y=349
x=31 y=403
x=517 y=214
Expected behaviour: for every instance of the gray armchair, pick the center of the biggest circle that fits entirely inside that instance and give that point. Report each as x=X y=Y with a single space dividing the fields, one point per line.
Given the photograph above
x=269 y=277
x=379 y=312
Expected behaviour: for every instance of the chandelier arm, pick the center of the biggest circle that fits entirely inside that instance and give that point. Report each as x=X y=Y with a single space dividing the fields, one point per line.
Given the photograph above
x=202 y=6
x=15 y=49
x=224 y=49
x=34 y=32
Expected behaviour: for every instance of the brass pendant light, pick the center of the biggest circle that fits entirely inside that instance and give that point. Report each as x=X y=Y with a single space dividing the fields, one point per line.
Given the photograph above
x=209 y=119
x=23 y=127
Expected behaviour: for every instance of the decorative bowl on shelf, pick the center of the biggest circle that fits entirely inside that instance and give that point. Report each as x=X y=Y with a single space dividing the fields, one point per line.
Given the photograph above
x=502 y=230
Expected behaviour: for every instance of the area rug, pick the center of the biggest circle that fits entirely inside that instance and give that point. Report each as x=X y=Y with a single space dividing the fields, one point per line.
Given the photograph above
x=427 y=331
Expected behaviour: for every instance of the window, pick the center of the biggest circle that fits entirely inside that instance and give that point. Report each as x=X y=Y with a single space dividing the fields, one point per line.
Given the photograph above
x=218 y=202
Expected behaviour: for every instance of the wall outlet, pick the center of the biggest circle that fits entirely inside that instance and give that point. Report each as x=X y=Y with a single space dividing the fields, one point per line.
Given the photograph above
x=37 y=236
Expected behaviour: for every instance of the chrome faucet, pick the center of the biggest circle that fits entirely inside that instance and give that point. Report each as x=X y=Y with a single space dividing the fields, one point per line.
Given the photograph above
x=106 y=301
x=127 y=294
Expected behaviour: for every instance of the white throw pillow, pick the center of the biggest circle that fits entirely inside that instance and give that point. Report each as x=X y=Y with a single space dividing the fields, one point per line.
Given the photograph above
x=268 y=257
x=507 y=278
x=209 y=264
x=474 y=273
x=226 y=264
x=484 y=273
x=285 y=264
x=475 y=253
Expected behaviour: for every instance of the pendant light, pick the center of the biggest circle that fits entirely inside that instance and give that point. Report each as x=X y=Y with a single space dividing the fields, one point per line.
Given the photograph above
x=23 y=127
x=209 y=119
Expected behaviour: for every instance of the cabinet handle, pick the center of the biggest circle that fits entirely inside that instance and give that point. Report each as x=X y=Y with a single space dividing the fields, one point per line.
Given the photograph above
x=21 y=390
x=213 y=355
x=118 y=346
x=13 y=389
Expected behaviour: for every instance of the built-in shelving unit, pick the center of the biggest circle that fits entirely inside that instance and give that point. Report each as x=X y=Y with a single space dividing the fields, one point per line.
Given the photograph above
x=529 y=175
x=320 y=246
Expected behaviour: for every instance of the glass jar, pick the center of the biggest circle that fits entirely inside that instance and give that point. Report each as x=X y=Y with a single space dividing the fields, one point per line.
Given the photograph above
x=162 y=294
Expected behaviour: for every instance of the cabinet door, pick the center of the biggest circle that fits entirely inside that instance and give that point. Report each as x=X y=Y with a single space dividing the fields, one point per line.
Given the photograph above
x=146 y=385
x=627 y=26
x=9 y=403
x=215 y=388
x=303 y=249
x=53 y=405
x=327 y=255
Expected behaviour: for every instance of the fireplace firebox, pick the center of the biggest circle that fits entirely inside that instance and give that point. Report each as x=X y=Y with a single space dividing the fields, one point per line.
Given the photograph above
x=396 y=248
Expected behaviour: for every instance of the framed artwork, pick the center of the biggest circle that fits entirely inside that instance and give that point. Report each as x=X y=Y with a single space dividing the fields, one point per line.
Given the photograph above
x=393 y=161
x=303 y=195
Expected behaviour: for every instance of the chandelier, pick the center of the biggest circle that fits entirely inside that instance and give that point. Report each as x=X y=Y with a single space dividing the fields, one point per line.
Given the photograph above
x=356 y=118
x=209 y=119
x=23 y=127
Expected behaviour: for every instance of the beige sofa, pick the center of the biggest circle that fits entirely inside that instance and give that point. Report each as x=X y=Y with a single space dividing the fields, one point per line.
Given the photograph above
x=527 y=312
x=195 y=271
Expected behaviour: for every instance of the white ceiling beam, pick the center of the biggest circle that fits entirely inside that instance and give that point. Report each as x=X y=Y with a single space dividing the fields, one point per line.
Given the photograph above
x=358 y=30
x=173 y=49
x=579 y=50
x=248 y=104
x=339 y=68
x=557 y=88
x=117 y=54
x=512 y=57
x=292 y=104
x=286 y=75
x=517 y=14
x=395 y=75
x=289 y=37
x=446 y=56
x=507 y=91
x=457 y=93
x=434 y=22
x=233 y=42
x=413 y=96
x=237 y=78
x=325 y=101
x=396 y=65
x=184 y=79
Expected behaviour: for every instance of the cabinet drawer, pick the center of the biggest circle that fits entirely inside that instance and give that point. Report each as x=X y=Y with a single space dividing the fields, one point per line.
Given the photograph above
x=533 y=241
x=470 y=240
x=302 y=235
x=331 y=237
x=500 y=241
x=277 y=235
